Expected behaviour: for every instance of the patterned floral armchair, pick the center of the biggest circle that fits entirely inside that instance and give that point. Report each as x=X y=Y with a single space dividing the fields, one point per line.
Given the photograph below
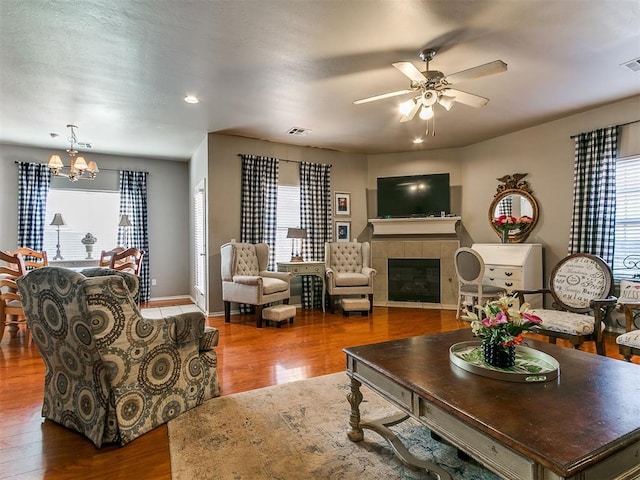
x=111 y=374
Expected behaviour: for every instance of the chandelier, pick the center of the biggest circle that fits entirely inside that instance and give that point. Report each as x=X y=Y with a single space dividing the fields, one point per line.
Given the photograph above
x=78 y=167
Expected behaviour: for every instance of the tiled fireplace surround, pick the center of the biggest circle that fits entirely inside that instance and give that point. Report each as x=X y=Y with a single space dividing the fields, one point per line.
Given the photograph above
x=434 y=248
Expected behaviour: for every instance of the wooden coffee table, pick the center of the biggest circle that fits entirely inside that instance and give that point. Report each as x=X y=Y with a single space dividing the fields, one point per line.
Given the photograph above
x=583 y=425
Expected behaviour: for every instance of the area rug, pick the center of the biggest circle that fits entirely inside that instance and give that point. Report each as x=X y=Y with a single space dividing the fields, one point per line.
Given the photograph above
x=298 y=431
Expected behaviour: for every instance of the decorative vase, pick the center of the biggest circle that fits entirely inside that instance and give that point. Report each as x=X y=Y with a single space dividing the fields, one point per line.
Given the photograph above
x=505 y=236
x=496 y=355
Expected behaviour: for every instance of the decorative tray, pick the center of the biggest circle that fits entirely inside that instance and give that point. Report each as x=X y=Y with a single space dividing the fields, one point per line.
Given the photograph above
x=531 y=365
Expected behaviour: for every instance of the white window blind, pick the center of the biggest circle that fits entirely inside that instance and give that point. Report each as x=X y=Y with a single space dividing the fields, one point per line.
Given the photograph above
x=288 y=217
x=199 y=239
x=84 y=212
x=627 y=230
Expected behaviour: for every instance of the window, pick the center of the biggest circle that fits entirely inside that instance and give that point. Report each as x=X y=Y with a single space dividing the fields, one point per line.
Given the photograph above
x=84 y=212
x=627 y=231
x=288 y=217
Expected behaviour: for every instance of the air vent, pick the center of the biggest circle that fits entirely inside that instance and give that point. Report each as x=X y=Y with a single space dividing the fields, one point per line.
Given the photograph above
x=299 y=132
x=633 y=64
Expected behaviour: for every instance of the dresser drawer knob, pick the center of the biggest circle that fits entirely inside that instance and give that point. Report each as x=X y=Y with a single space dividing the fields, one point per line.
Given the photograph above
x=508 y=274
x=509 y=284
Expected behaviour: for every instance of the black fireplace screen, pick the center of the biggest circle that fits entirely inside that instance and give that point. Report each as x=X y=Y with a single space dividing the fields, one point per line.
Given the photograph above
x=414 y=280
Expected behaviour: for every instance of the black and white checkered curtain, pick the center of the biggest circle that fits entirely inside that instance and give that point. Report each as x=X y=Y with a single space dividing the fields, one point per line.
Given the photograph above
x=259 y=202
x=315 y=216
x=594 y=193
x=505 y=206
x=133 y=202
x=33 y=187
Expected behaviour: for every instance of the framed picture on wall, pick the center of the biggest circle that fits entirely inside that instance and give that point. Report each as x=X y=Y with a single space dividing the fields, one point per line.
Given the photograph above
x=343 y=231
x=343 y=203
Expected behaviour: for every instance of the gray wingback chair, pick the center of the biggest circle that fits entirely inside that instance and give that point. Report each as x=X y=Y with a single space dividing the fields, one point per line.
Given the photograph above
x=348 y=270
x=245 y=278
x=111 y=374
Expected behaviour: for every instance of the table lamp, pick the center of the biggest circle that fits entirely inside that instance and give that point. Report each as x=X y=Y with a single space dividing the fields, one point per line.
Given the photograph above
x=293 y=234
x=125 y=223
x=57 y=221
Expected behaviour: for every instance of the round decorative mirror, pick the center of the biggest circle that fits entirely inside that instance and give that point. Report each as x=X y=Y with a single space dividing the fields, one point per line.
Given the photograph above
x=513 y=213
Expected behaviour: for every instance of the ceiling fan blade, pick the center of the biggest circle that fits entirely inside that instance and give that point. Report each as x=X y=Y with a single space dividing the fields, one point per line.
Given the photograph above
x=476 y=72
x=466 y=98
x=382 y=96
x=410 y=70
x=412 y=113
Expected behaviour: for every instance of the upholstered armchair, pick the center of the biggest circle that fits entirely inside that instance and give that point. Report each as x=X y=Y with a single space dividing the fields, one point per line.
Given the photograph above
x=111 y=374
x=348 y=270
x=245 y=278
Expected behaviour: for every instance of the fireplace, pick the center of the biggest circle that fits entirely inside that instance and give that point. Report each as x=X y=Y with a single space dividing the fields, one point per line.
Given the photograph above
x=414 y=249
x=414 y=280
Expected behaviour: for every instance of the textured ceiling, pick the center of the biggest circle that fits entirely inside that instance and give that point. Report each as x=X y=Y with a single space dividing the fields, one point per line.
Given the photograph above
x=120 y=69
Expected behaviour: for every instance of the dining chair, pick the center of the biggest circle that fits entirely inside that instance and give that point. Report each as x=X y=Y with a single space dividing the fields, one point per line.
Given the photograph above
x=128 y=260
x=32 y=258
x=105 y=256
x=580 y=285
x=11 y=313
x=470 y=271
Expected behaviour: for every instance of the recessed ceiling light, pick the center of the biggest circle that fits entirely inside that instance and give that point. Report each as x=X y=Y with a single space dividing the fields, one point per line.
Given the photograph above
x=191 y=99
x=418 y=140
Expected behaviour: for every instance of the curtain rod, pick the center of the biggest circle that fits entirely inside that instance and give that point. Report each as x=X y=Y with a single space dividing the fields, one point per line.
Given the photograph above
x=619 y=125
x=240 y=155
x=100 y=169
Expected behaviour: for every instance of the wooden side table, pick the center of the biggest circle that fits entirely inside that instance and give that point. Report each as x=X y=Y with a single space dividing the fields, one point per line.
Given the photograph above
x=301 y=269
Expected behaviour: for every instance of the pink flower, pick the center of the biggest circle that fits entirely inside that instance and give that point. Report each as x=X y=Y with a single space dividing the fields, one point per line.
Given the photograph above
x=531 y=318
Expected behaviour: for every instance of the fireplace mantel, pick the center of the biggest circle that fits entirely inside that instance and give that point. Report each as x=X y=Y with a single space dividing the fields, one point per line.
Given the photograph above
x=415 y=226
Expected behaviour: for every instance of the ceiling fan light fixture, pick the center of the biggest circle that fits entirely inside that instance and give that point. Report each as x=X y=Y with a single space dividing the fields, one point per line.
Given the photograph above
x=430 y=97
x=426 y=113
x=446 y=102
x=406 y=107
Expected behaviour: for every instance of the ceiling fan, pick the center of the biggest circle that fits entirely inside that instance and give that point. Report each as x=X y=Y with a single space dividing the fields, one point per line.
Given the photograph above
x=432 y=86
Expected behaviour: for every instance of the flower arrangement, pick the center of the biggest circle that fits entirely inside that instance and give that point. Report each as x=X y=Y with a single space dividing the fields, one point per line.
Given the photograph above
x=507 y=222
x=503 y=322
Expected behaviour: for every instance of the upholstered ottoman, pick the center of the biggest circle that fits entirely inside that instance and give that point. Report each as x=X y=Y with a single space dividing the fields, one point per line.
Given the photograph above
x=349 y=305
x=279 y=314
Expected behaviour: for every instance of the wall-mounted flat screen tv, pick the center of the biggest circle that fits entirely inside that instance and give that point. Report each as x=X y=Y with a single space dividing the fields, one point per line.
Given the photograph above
x=414 y=196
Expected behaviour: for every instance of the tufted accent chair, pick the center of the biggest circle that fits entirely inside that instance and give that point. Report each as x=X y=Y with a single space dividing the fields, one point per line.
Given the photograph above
x=111 y=374
x=245 y=278
x=347 y=265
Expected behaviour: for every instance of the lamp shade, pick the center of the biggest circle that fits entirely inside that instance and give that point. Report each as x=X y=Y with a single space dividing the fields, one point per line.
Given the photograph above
x=55 y=162
x=57 y=220
x=124 y=221
x=296 y=233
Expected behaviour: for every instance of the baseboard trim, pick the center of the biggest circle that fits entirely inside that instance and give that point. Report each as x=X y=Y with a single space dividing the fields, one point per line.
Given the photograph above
x=176 y=297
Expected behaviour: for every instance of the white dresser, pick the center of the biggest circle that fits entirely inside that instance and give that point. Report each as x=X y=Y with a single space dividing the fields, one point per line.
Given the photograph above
x=514 y=266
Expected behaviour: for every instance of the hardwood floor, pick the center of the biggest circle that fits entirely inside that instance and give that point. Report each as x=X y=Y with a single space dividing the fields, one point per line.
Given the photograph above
x=248 y=358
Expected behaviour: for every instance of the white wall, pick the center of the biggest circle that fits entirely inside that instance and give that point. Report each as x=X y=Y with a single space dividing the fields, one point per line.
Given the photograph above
x=168 y=204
